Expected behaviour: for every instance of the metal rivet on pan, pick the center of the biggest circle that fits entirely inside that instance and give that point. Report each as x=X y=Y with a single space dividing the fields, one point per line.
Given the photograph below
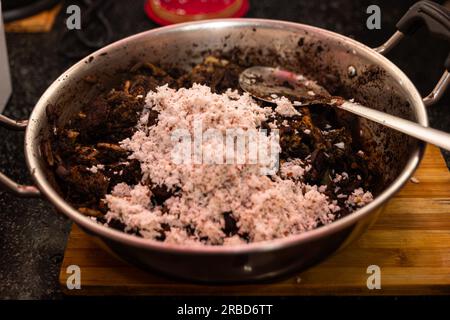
x=351 y=71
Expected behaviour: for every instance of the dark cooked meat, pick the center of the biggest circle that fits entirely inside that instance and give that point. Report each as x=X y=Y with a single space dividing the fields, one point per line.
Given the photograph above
x=88 y=161
x=217 y=73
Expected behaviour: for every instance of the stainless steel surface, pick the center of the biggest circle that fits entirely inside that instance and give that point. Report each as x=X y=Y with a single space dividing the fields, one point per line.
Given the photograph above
x=6 y=182
x=13 y=124
x=18 y=189
x=268 y=84
x=5 y=77
x=438 y=90
x=279 y=44
x=390 y=43
x=440 y=87
x=430 y=135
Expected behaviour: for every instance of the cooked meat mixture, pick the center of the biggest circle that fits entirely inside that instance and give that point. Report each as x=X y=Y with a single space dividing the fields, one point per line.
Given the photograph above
x=113 y=161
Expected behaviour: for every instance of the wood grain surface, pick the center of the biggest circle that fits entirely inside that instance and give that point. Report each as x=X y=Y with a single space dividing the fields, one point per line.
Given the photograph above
x=41 y=22
x=410 y=242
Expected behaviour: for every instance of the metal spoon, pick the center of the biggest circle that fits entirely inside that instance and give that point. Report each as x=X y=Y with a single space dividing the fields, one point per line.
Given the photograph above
x=269 y=84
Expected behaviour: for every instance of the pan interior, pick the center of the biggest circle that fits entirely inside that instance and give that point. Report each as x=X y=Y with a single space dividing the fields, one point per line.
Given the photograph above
x=341 y=65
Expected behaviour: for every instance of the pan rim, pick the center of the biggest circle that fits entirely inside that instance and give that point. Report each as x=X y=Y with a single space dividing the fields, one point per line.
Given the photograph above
x=32 y=151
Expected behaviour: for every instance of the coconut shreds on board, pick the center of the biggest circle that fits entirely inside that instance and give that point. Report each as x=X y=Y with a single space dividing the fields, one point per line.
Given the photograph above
x=264 y=207
x=414 y=180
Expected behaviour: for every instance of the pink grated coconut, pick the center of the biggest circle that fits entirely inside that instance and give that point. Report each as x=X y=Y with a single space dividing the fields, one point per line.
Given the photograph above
x=264 y=207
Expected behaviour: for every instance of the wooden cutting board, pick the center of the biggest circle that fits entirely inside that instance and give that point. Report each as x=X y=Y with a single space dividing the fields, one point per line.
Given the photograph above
x=410 y=243
x=40 y=22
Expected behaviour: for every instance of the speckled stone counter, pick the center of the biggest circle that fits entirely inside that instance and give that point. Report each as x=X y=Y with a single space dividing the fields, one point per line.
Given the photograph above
x=33 y=235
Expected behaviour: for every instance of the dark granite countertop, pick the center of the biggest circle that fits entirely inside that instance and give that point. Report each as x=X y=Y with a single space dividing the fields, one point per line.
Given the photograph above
x=33 y=235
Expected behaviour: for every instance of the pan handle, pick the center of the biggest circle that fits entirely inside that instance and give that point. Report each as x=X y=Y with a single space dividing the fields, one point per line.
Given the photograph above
x=6 y=182
x=437 y=20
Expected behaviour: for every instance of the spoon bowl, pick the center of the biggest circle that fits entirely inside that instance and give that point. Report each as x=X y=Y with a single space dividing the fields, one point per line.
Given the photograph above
x=270 y=84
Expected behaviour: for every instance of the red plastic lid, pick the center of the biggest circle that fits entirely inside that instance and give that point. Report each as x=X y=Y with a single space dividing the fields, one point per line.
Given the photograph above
x=166 y=12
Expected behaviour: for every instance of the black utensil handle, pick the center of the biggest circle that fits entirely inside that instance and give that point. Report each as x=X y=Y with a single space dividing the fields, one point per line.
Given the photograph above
x=431 y=14
x=436 y=18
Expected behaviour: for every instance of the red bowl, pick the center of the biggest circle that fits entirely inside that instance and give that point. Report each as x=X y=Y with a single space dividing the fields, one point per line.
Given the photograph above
x=165 y=12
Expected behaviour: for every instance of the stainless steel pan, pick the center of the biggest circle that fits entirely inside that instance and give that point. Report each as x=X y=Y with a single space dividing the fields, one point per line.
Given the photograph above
x=347 y=67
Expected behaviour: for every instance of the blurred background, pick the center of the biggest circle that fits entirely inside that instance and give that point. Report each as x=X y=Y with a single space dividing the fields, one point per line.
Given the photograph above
x=40 y=48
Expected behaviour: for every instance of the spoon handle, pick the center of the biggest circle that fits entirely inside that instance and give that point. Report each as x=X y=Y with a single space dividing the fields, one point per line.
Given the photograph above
x=433 y=136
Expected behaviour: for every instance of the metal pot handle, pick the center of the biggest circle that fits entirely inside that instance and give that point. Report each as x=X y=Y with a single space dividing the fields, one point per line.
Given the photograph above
x=437 y=20
x=8 y=183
